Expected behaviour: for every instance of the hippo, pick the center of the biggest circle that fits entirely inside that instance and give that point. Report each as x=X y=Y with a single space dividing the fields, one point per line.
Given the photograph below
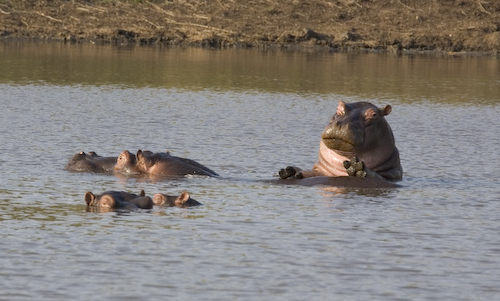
x=90 y=162
x=357 y=142
x=127 y=162
x=119 y=200
x=182 y=201
x=160 y=164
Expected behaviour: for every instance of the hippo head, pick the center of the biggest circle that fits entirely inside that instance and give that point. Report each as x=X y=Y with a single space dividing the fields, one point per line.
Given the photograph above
x=358 y=129
x=81 y=156
x=104 y=201
x=182 y=201
x=145 y=159
x=126 y=162
x=88 y=162
x=118 y=200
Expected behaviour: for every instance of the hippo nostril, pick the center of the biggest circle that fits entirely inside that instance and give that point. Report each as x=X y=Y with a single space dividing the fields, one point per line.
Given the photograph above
x=334 y=124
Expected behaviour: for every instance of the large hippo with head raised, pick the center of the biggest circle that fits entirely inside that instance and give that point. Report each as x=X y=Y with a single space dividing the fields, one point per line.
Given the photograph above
x=160 y=164
x=90 y=162
x=358 y=142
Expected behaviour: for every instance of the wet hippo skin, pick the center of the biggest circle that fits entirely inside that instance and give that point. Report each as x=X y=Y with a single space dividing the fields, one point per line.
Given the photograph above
x=90 y=162
x=160 y=164
x=183 y=200
x=119 y=200
x=357 y=142
x=126 y=163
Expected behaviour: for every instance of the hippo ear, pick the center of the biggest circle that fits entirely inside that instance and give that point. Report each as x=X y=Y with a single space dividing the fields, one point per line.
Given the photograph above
x=142 y=193
x=159 y=199
x=386 y=110
x=82 y=153
x=180 y=200
x=341 y=108
x=139 y=155
x=89 y=198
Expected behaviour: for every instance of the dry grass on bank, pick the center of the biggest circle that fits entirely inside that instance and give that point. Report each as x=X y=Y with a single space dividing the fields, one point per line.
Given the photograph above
x=443 y=25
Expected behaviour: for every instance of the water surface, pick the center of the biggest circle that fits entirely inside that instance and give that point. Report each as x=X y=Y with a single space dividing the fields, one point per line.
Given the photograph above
x=245 y=114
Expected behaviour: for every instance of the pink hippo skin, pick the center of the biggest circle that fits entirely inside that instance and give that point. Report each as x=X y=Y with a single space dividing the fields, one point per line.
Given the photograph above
x=127 y=163
x=182 y=201
x=357 y=142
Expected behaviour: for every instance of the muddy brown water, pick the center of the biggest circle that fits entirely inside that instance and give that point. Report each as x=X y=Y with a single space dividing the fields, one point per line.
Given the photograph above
x=245 y=114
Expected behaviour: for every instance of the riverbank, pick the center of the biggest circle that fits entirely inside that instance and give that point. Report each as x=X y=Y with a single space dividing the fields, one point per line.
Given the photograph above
x=399 y=25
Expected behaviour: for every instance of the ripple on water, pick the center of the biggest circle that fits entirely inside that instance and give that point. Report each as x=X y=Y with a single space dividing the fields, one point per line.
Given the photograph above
x=433 y=238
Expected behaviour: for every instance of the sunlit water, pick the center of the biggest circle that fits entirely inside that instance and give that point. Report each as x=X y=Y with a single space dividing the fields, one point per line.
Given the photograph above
x=245 y=114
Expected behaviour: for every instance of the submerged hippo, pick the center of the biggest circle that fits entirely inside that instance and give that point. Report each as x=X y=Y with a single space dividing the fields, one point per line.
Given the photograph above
x=90 y=162
x=119 y=200
x=160 y=164
x=182 y=201
x=357 y=142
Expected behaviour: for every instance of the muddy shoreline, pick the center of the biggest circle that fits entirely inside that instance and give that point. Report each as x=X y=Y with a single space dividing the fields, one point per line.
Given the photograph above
x=451 y=26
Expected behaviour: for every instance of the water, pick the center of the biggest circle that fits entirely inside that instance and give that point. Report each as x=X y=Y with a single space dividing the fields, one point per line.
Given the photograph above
x=245 y=114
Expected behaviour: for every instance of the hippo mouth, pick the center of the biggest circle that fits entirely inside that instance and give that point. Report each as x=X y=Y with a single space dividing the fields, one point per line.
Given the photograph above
x=338 y=144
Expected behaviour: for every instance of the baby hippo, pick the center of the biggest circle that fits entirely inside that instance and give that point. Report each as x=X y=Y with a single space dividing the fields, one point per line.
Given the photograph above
x=119 y=200
x=160 y=164
x=184 y=200
x=90 y=162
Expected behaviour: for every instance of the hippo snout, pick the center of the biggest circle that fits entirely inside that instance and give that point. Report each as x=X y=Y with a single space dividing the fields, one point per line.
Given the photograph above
x=341 y=137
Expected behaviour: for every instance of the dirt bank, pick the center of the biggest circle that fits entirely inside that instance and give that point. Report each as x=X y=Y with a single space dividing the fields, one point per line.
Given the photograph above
x=397 y=25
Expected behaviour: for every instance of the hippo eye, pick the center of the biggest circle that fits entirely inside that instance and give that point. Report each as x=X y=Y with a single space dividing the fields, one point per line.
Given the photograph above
x=371 y=114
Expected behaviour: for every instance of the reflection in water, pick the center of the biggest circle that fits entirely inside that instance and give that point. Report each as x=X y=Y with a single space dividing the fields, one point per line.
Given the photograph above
x=343 y=182
x=151 y=178
x=332 y=191
x=104 y=210
x=42 y=211
x=409 y=78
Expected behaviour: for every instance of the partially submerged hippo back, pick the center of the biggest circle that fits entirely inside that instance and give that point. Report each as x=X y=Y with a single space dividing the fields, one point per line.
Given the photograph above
x=90 y=162
x=164 y=164
x=118 y=200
